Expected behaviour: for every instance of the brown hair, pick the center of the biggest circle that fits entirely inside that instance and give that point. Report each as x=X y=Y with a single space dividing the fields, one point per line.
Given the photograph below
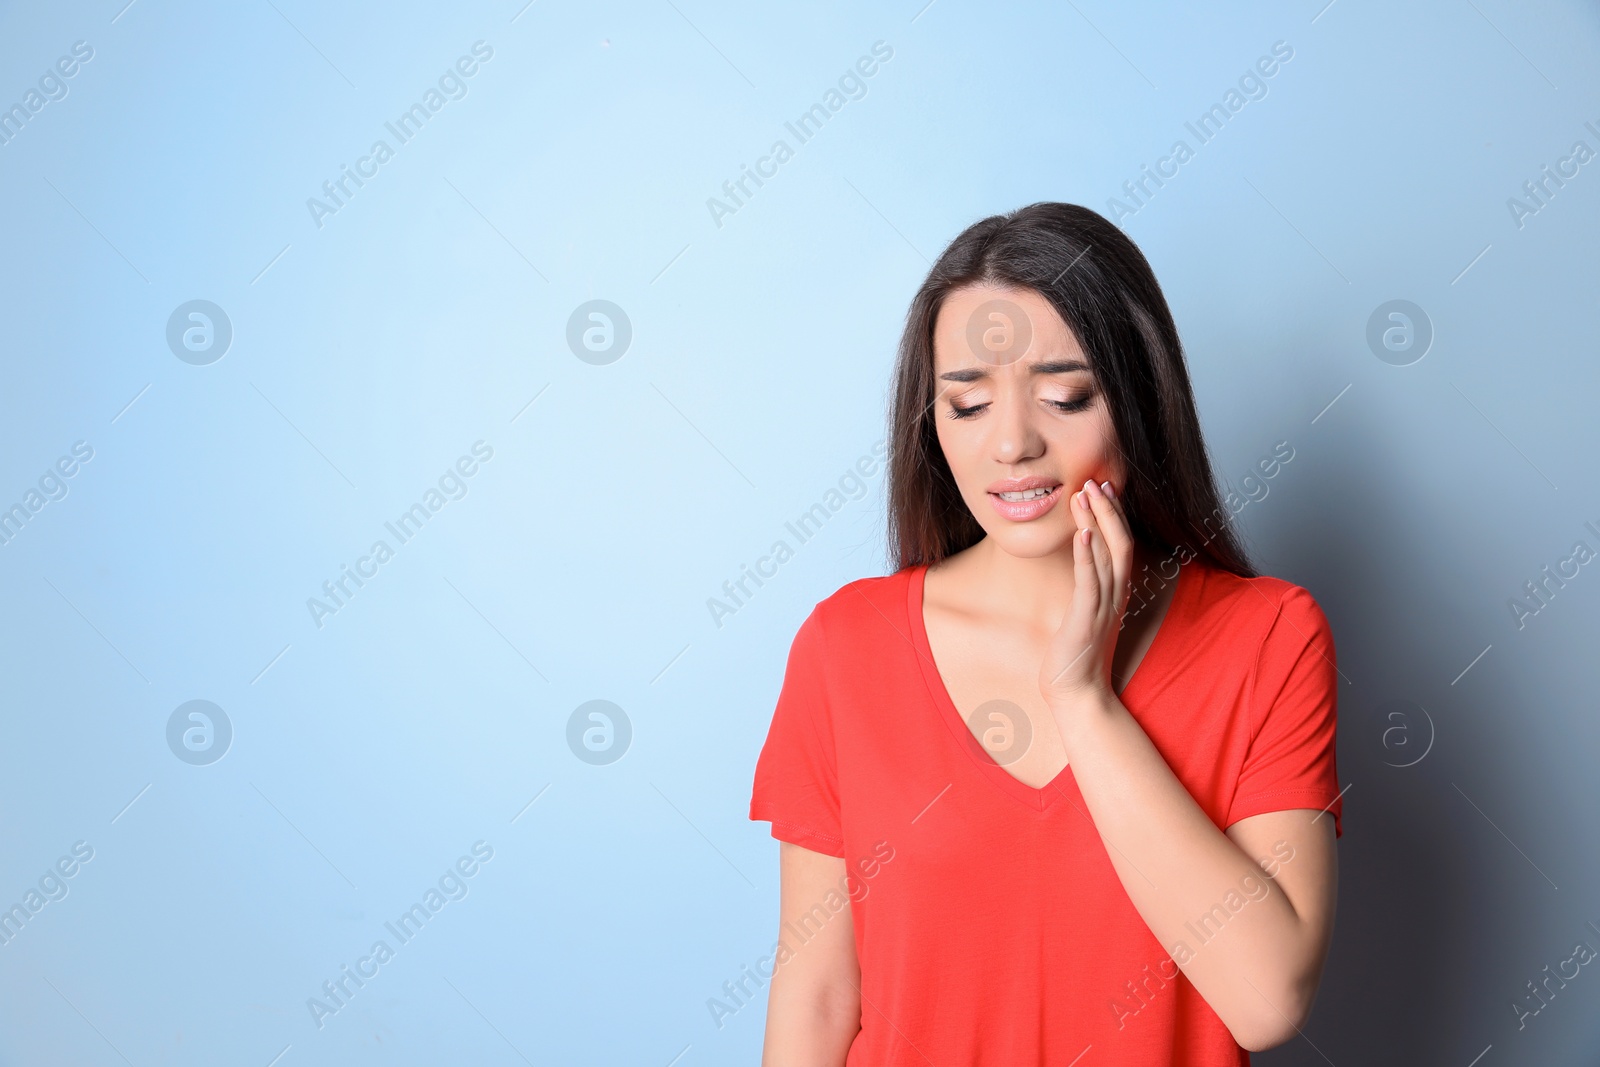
x=1104 y=290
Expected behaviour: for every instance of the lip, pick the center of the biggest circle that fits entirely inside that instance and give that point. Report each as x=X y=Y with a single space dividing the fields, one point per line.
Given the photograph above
x=1024 y=510
x=1017 y=485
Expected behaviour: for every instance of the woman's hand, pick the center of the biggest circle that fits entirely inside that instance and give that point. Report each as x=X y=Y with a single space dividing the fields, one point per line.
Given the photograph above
x=1170 y=855
x=1077 y=666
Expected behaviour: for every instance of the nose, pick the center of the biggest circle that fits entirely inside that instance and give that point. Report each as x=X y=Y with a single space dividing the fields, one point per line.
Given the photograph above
x=1016 y=435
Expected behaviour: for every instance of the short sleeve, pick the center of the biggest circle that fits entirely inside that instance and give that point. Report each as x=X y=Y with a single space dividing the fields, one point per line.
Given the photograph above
x=796 y=781
x=1290 y=762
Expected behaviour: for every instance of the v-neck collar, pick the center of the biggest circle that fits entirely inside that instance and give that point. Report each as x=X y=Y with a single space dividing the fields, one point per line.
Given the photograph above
x=1034 y=798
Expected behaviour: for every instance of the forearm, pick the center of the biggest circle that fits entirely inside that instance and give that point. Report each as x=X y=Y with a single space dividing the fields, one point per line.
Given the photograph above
x=1258 y=972
x=809 y=1024
x=814 y=999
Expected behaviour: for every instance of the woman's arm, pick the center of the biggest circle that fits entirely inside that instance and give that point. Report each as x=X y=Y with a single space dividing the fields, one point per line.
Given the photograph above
x=1256 y=945
x=814 y=1001
x=1265 y=938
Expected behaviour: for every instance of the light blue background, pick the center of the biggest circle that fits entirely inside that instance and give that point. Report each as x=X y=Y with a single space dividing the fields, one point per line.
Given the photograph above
x=369 y=353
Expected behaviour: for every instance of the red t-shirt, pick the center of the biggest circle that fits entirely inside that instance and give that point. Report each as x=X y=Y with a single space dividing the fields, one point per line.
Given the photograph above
x=990 y=926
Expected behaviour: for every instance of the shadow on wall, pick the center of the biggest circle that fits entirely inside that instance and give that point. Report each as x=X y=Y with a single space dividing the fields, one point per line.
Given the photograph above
x=1433 y=902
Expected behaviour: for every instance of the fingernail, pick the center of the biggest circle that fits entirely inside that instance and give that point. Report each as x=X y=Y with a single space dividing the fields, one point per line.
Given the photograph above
x=1089 y=486
x=1108 y=490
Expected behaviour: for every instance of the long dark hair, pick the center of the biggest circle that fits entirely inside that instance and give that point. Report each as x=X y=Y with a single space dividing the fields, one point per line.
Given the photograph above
x=1104 y=290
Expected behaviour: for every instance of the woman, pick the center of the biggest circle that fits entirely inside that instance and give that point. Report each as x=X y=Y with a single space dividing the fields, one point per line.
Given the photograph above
x=1060 y=789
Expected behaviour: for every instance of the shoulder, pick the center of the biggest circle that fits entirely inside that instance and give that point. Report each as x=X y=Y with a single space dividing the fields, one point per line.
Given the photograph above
x=864 y=594
x=1275 y=611
x=859 y=609
x=1262 y=596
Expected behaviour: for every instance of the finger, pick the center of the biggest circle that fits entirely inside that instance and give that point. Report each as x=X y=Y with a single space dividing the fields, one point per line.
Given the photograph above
x=1106 y=564
x=1119 y=540
x=1087 y=585
x=1115 y=497
x=1087 y=517
x=1114 y=492
x=1074 y=639
x=1109 y=516
x=1082 y=510
x=1116 y=500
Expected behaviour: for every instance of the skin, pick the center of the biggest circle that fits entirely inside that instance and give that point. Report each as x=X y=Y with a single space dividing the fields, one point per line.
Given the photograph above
x=1033 y=614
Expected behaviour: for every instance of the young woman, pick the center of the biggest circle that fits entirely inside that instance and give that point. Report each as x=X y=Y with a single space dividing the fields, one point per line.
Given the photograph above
x=1061 y=789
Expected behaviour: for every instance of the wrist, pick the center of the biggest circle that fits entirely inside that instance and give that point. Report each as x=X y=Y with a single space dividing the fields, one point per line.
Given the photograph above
x=1082 y=711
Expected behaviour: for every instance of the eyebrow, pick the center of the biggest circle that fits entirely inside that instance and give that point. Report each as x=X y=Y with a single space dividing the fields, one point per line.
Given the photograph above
x=1053 y=366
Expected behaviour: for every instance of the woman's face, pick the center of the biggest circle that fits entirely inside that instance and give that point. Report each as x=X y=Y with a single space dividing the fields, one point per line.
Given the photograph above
x=1019 y=414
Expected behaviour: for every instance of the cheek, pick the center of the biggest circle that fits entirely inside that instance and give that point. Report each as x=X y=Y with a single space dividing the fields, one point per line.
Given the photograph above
x=1108 y=454
x=1088 y=450
x=959 y=448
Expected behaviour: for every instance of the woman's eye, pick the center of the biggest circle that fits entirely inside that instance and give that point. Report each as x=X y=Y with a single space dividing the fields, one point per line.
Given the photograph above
x=1067 y=406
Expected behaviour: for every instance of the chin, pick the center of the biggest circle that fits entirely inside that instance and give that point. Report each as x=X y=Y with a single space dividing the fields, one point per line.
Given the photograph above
x=1032 y=544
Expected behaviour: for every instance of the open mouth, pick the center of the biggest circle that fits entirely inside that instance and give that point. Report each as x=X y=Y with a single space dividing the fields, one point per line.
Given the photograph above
x=1025 y=504
x=1028 y=494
